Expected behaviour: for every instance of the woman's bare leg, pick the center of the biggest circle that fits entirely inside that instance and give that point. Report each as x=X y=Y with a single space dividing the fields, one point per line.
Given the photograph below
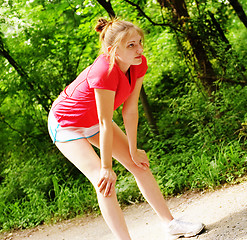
x=82 y=155
x=144 y=178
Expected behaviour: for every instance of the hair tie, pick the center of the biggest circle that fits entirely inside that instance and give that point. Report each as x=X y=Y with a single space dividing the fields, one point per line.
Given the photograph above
x=102 y=22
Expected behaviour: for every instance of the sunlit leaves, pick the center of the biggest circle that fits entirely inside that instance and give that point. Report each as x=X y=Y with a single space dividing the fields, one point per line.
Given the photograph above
x=52 y=41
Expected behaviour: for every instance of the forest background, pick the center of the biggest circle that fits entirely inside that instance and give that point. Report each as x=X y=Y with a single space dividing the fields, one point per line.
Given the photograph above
x=193 y=120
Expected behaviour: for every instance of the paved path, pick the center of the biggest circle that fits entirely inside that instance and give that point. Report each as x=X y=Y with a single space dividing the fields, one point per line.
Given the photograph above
x=224 y=211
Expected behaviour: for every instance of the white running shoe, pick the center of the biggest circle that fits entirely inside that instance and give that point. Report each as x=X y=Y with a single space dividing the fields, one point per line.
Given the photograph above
x=177 y=228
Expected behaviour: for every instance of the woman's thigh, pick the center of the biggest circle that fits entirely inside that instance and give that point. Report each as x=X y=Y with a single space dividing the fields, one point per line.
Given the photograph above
x=81 y=153
x=120 y=148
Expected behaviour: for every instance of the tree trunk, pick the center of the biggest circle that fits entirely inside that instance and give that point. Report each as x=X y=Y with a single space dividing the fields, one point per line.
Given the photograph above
x=240 y=67
x=220 y=30
x=148 y=112
x=181 y=17
x=239 y=10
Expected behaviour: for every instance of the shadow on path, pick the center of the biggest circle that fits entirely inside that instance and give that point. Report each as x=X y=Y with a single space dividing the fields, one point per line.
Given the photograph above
x=232 y=227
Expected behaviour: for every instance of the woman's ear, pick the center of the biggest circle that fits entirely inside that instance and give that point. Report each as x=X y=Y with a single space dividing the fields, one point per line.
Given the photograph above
x=109 y=49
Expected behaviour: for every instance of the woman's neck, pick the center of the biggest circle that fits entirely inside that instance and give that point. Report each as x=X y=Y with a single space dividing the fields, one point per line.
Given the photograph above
x=123 y=67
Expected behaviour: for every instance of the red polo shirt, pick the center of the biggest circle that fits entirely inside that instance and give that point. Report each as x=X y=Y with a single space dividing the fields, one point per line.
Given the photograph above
x=76 y=105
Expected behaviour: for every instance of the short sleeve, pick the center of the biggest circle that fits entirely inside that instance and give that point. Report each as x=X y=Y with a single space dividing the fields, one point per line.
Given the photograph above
x=142 y=68
x=99 y=77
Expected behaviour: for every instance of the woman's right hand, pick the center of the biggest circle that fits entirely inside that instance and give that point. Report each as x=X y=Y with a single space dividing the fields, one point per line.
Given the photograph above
x=107 y=181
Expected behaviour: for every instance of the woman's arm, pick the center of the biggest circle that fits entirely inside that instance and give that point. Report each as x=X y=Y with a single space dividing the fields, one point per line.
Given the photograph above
x=105 y=107
x=130 y=117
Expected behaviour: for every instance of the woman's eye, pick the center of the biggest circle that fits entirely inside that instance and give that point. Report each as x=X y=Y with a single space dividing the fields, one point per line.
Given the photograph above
x=131 y=45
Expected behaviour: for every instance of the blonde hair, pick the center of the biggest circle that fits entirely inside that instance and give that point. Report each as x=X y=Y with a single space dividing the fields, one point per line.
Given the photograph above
x=112 y=33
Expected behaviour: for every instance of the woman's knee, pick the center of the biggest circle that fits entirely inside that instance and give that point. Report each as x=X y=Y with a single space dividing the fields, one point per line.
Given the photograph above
x=137 y=171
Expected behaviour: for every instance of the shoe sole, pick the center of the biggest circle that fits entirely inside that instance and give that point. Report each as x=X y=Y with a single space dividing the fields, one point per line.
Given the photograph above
x=173 y=237
x=194 y=234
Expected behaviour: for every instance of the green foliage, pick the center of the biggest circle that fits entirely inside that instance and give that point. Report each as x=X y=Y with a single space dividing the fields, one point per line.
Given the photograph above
x=127 y=190
x=202 y=140
x=199 y=169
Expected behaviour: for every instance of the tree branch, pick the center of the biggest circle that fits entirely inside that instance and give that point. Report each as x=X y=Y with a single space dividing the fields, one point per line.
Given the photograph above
x=30 y=86
x=148 y=18
x=10 y=127
x=242 y=83
x=6 y=55
x=108 y=7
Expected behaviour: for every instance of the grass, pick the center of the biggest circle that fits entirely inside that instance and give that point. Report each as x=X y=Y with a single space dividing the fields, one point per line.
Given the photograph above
x=201 y=169
x=175 y=173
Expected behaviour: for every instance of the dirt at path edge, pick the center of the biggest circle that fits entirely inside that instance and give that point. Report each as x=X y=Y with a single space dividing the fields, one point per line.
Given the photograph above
x=224 y=211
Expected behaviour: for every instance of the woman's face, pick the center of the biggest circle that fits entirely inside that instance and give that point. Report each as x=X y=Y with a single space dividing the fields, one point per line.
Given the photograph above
x=129 y=52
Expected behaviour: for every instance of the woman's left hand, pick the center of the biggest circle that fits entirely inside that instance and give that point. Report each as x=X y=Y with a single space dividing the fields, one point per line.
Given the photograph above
x=139 y=157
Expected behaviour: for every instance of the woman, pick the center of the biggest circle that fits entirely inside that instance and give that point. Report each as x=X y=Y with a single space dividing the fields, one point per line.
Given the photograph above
x=82 y=117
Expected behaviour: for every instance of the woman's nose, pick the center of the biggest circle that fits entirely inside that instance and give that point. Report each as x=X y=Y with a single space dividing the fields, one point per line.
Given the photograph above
x=140 y=50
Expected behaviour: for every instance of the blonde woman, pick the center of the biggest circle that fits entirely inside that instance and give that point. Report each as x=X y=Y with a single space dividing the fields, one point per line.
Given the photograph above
x=82 y=117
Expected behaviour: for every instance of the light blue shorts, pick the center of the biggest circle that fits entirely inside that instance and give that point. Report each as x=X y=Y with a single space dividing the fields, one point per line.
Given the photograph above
x=65 y=134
